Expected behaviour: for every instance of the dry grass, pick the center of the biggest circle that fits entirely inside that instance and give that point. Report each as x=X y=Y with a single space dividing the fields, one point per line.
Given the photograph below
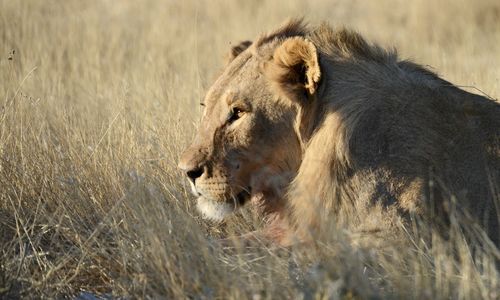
x=98 y=98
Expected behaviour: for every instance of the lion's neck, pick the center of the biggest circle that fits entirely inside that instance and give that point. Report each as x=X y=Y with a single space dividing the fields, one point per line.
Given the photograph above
x=306 y=121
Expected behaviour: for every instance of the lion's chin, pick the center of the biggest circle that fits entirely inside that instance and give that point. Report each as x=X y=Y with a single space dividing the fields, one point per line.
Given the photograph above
x=213 y=210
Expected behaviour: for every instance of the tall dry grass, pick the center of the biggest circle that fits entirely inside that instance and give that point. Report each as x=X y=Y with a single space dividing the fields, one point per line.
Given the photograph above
x=98 y=98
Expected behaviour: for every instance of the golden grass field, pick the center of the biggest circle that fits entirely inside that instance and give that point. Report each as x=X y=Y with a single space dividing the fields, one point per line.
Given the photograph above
x=97 y=101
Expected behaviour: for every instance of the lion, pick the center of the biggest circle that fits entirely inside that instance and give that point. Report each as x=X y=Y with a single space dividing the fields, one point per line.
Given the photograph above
x=308 y=123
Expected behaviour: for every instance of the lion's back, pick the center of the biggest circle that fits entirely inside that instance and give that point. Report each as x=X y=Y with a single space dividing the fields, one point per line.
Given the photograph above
x=433 y=133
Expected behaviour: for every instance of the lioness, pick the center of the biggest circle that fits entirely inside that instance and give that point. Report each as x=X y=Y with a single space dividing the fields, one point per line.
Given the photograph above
x=307 y=122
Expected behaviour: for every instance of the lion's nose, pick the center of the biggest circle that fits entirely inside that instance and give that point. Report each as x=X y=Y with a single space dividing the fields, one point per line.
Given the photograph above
x=192 y=162
x=192 y=168
x=194 y=174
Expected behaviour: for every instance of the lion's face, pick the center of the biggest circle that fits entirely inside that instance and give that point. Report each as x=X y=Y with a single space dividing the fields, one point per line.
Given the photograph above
x=246 y=147
x=244 y=143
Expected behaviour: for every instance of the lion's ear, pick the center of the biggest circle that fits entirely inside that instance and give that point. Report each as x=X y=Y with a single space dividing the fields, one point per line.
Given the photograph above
x=295 y=68
x=236 y=50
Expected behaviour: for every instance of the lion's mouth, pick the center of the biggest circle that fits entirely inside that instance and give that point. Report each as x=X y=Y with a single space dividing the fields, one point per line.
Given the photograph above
x=218 y=210
x=238 y=200
x=243 y=196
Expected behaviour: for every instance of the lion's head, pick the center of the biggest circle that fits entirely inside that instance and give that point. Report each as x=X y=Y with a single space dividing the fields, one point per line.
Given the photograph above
x=249 y=144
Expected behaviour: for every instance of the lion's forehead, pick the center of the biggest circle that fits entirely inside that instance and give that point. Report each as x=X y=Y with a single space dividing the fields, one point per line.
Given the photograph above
x=237 y=79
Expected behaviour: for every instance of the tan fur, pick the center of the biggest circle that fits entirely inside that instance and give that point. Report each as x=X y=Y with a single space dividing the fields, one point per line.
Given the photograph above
x=296 y=56
x=332 y=127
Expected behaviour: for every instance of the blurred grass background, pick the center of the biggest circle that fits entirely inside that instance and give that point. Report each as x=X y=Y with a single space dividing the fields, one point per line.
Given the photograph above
x=97 y=100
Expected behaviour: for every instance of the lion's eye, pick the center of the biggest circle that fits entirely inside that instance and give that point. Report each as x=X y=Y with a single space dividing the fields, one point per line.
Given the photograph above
x=234 y=114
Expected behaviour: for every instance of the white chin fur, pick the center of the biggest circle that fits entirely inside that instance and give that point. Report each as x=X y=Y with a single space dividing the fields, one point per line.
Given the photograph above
x=213 y=210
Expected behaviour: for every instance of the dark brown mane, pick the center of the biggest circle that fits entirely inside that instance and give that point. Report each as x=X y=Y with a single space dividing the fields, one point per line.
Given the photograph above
x=293 y=27
x=336 y=44
x=347 y=44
